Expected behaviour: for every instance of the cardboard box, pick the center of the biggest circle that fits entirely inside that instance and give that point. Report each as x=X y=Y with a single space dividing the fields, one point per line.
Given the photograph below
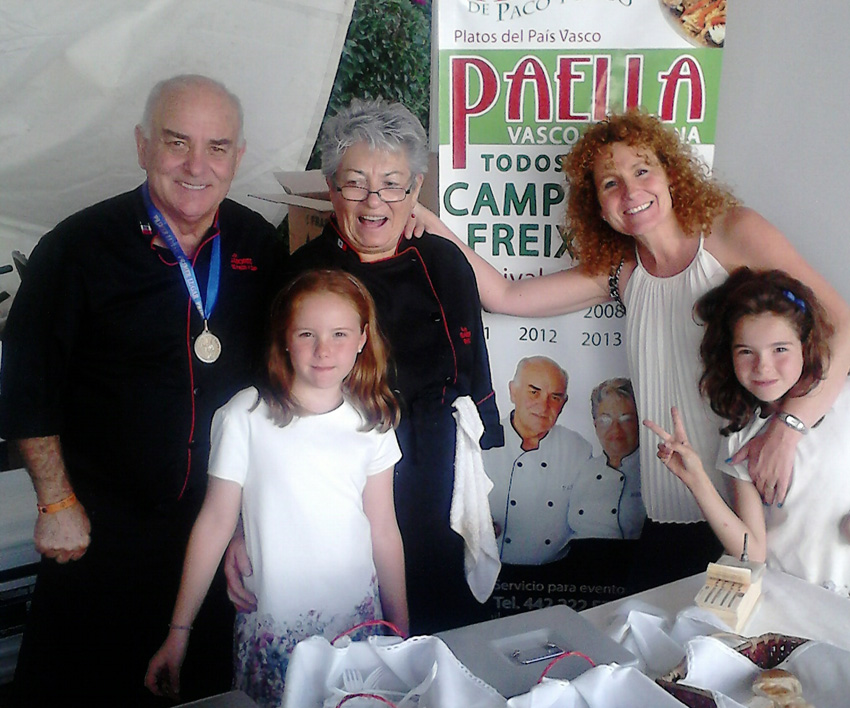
x=306 y=195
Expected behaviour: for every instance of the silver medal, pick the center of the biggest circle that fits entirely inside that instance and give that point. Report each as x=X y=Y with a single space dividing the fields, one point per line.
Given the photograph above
x=207 y=346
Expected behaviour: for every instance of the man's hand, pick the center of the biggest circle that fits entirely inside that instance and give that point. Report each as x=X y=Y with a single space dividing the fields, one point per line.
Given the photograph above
x=770 y=460
x=63 y=535
x=237 y=566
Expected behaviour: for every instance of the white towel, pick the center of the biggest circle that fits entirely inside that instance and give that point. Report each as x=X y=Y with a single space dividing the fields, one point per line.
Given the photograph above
x=470 y=512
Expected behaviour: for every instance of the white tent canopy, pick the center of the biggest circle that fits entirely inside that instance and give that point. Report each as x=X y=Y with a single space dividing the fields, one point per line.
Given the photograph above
x=74 y=77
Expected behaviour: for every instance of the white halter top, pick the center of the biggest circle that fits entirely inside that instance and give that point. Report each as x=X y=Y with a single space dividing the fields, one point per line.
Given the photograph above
x=662 y=341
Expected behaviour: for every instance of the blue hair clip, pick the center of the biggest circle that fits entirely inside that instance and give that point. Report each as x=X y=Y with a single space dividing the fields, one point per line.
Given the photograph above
x=796 y=300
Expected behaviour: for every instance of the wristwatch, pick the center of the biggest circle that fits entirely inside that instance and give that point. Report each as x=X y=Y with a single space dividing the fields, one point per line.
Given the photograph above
x=793 y=422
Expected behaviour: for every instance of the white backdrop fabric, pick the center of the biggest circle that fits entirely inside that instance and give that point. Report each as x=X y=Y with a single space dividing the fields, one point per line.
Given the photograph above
x=74 y=77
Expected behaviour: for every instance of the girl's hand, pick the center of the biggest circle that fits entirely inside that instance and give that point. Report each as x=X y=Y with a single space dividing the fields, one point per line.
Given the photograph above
x=163 y=676
x=770 y=460
x=675 y=451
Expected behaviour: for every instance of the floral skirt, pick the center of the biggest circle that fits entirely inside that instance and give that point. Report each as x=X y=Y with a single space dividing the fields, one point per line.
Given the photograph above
x=263 y=644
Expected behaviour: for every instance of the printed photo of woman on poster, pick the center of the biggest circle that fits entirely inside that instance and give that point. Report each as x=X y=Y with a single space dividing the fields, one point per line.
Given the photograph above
x=545 y=475
x=605 y=501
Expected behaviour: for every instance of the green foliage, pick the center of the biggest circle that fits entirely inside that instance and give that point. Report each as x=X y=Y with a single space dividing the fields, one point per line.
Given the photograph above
x=387 y=54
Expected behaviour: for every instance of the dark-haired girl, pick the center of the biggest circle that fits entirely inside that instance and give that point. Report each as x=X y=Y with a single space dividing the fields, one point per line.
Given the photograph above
x=766 y=343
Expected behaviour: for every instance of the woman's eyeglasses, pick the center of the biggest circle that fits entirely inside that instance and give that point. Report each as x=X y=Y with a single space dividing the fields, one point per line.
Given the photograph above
x=353 y=193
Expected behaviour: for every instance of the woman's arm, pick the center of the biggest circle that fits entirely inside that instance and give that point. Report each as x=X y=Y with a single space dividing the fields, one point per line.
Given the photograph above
x=682 y=460
x=210 y=535
x=387 y=549
x=558 y=293
x=745 y=238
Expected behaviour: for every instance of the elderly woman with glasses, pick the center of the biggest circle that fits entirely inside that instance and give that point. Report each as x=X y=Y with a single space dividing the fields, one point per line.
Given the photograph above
x=605 y=500
x=374 y=157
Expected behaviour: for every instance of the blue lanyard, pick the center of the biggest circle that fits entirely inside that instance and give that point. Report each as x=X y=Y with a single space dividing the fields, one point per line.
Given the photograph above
x=186 y=268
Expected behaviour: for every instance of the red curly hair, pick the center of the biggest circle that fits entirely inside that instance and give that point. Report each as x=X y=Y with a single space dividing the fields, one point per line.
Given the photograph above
x=697 y=199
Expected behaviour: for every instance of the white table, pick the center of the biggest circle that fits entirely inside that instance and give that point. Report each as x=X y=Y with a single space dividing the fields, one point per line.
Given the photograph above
x=788 y=605
x=231 y=699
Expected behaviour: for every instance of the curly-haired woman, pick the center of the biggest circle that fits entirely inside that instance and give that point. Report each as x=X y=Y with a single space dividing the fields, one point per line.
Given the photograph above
x=650 y=228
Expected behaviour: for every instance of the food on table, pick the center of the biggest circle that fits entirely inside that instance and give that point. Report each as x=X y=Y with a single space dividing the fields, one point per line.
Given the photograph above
x=780 y=686
x=702 y=21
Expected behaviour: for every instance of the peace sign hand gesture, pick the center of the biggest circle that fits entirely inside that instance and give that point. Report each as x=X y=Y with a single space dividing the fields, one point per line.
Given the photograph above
x=675 y=451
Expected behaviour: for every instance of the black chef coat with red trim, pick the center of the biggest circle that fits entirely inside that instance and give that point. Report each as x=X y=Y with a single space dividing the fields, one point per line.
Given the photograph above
x=98 y=349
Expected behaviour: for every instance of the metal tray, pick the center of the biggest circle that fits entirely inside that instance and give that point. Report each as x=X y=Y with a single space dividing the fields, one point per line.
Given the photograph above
x=511 y=653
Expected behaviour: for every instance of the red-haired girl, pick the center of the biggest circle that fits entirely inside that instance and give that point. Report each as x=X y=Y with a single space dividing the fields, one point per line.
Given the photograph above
x=308 y=462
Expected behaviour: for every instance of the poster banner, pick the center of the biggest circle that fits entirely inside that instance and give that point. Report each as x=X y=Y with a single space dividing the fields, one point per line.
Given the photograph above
x=519 y=81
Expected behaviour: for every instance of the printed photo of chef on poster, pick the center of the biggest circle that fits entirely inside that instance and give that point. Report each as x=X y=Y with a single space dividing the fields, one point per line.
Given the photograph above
x=565 y=520
x=535 y=470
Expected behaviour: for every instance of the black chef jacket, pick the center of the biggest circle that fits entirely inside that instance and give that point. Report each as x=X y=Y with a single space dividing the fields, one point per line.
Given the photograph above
x=98 y=349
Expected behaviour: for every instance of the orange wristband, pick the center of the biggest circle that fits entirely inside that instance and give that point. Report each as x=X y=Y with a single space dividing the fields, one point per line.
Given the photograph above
x=57 y=506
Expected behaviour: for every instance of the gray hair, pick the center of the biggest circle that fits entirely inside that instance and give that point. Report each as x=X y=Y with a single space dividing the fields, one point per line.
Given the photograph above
x=522 y=363
x=621 y=387
x=382 y=126
x=182 y=81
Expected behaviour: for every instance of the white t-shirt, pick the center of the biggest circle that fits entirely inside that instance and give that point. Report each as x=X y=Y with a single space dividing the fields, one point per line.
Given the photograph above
x=803 y=536
x=302 y=502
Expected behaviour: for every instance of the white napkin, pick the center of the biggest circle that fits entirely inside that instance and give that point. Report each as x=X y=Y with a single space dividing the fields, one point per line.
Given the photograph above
x=418 y=671
x=608 y=686
x=728 y=674
x=657 y=639
x=470 y=511
x=823 y=670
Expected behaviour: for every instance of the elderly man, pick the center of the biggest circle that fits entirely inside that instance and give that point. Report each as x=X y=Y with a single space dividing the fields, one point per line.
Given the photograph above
x=534 y=471
x=136 y=319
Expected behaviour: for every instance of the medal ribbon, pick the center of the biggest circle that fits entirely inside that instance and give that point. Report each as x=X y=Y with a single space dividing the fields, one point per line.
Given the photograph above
x=205 y=310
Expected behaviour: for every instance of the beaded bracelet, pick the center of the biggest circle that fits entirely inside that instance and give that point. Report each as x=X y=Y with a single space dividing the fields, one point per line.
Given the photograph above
x=57 y=506
x=183 y=627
